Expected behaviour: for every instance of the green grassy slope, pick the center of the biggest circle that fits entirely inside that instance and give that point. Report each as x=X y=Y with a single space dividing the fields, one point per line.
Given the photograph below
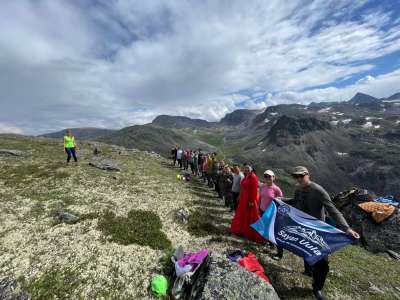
x=109 y=255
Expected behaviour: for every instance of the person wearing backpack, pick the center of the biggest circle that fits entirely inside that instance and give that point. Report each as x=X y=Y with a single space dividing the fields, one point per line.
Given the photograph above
x=70 y=146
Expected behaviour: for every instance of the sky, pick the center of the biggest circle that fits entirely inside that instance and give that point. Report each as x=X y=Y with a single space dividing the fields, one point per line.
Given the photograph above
x=116 y=63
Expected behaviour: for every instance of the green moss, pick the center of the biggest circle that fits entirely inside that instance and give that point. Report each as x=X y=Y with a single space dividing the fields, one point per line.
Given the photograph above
x=56 y=283
x=140 y=227
x=200 y=224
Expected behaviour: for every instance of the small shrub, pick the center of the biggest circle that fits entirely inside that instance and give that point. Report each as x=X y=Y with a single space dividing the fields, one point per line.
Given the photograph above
x=140 y=227
x=55 y=283
x=200 y=224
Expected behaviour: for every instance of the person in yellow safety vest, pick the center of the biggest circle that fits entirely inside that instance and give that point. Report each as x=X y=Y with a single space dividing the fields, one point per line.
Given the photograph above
x=70 y=146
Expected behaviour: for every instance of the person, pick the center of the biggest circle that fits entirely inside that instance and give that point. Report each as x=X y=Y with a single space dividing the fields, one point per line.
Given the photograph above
x=219 y=179
x=205 y=169
x=226 y=185
x=195 y=163
x=210 y=169
x=173 y=154
x=179 y=154
x=70 y=146
x=312 y=199
x=269 y=191
x=200 y=159
x=237 y=178
x=191 y=161
x=247 y=212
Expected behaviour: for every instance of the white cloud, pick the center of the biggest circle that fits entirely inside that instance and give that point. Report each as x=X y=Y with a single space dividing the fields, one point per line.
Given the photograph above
x=116 y=63
x=6 y=128
x=380 y=87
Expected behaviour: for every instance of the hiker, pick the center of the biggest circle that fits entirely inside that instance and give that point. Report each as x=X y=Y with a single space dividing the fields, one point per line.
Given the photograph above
x=200 y=159
x=186 y=159
x=210 y=169
x=247 y=212
x=70 y=146
x=195 y=163
x=179 y=154
x=173 y=154
x=237 y=178
x=269 y=191
x=220 y=179
x=191 y=161
x=312 y=199
x=227 y=180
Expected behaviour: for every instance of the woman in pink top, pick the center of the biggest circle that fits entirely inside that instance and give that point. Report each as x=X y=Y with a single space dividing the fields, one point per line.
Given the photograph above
x=268 y=191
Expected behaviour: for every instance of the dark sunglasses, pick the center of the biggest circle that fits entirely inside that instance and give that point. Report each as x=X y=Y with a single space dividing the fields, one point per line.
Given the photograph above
x=299 y=175
x=267 y=176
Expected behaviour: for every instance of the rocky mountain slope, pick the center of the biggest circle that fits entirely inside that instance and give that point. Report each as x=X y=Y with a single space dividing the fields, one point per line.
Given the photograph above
x=82 y=133
x=126 y=227
x=343 y=143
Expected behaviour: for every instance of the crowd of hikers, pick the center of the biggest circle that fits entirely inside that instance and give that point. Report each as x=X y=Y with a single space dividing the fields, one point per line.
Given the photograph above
x=248 y=196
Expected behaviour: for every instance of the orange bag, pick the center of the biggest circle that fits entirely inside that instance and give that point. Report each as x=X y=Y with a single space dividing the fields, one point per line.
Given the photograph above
x=380 y=211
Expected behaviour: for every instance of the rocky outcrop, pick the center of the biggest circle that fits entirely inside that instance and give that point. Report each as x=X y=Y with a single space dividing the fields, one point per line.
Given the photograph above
x=105 y=164
x=224 y=279
x=376 y=237
x=9 y=290
x=11 y=152
x=288 y=127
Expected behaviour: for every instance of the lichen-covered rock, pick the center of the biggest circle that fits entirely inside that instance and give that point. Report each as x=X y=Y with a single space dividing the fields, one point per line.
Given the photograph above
x=11 y=152
x=105 y=164
x=182 y=215
x=10 y=290
x=224 y=279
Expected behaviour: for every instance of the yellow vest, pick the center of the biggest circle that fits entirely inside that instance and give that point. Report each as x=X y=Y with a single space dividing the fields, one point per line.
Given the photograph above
x=69 y=141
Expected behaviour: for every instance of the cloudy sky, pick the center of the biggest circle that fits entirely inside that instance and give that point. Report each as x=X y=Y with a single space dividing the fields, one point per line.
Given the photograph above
x=114 y=63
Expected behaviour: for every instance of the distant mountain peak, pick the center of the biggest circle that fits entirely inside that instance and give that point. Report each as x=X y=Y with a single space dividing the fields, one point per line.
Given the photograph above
x=239 y=116
x=394 y=97
x=179 y=122
x=361 y=98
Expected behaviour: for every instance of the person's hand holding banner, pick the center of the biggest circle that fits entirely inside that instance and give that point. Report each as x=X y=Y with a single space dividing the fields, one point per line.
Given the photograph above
x=300 y=233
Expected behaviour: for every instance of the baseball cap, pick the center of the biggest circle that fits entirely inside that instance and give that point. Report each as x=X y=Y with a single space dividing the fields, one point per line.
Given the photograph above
x=269 y=173
x=300 y=170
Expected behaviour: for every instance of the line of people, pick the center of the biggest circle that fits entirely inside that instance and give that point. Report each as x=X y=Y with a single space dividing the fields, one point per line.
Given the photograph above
x=248 y=198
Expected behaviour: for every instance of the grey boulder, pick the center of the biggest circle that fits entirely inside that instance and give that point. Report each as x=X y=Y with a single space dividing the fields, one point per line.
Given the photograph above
x=105 y=164
x=376 y=237
x=223 y=279
x=9 y=290
x=11 y=152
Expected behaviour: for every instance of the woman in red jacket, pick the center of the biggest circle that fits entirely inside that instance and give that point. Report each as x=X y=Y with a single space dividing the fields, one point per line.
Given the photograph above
x=247 y=212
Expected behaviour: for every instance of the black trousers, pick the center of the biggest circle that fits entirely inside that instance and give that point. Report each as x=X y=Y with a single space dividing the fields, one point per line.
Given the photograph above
x=234 y=202
x=180 y=163
x=319 y=272
x=71 y=153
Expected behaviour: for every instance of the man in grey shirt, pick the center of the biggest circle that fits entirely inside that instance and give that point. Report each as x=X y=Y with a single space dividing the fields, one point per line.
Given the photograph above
x=312 y=199
x=237 y=178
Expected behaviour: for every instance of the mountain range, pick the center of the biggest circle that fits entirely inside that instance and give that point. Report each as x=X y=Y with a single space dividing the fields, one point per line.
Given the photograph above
x=344 y=144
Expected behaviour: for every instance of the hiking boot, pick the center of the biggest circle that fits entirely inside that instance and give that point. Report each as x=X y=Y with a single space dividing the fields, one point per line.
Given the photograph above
x=318 y=295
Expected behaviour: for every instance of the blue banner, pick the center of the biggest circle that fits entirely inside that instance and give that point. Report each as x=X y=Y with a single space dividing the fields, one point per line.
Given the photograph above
x=300 y=233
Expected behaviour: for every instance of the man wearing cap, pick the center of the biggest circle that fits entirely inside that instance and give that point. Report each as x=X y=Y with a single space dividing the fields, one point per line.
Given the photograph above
x=312 y=199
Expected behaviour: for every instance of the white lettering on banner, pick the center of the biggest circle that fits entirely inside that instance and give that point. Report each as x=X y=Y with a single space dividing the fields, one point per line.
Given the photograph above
x=313 y=248
x=287 y=237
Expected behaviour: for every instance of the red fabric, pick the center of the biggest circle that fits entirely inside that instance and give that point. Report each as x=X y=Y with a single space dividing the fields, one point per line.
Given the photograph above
x=245 y=214
x=250 y=263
